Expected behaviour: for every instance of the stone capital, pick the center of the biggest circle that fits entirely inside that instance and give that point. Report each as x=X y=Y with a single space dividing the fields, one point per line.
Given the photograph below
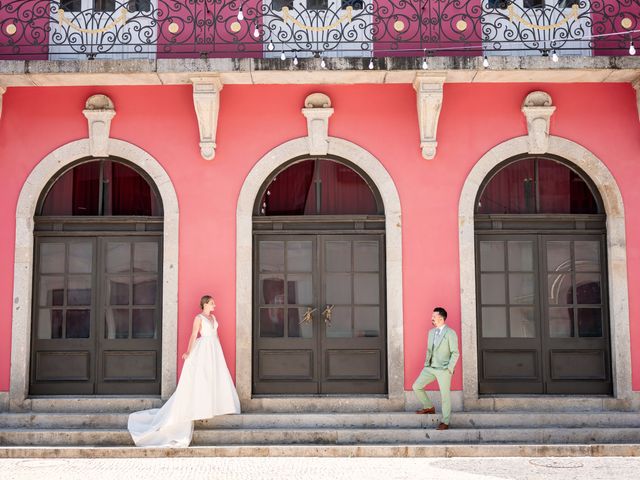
x=317 y=110
x=99 y=111
x=538 y=108
x=429 y=95
x=206 y=101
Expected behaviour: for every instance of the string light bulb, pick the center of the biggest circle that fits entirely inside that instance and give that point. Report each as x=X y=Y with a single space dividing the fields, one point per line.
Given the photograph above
x=270 y=46
x=371 y=64
x=256 y=32
x=295 y=62
x=283 y=57
x=555 y=57
x=323 y=64
x=485 y=62
x=632 y=49
x=425 y=65
x=240 y=15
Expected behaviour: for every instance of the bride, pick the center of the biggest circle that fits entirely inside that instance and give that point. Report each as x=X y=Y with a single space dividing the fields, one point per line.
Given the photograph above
x=205 y=389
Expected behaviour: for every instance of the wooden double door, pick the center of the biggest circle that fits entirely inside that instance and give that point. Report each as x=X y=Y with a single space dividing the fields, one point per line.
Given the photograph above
x=97 y=315
x=319 y=323
x=543 y=323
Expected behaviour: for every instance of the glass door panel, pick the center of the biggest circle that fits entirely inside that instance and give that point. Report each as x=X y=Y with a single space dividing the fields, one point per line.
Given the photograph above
x=130 y=306
x=577 y=335
x=508 y=328
x=63 y=348
x=285 y=339
x=352 y=308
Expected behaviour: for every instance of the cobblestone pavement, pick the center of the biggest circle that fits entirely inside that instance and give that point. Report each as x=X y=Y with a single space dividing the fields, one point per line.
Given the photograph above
x=566 y=468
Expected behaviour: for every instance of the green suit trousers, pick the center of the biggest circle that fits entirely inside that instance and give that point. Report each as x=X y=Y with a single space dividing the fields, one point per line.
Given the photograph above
x=443 y=376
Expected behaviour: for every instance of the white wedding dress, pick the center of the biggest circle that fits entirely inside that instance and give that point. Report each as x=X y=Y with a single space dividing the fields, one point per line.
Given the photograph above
x=205 y=390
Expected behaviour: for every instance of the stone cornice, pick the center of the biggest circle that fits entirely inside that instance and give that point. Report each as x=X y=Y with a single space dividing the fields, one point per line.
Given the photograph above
x=340 y=70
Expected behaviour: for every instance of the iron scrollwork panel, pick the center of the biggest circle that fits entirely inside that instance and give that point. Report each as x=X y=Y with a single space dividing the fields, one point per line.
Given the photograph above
x=43 y=29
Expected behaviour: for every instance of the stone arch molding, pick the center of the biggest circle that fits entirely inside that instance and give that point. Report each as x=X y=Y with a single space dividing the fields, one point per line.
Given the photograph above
x=244 y=250
x=23 y=270
x=616 y=264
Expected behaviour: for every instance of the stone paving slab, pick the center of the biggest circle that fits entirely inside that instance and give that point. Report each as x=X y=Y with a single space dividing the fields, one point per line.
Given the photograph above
x=547 y=468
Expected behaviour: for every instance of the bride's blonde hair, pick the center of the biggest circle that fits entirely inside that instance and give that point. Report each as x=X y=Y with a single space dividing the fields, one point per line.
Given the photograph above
x=205 y=299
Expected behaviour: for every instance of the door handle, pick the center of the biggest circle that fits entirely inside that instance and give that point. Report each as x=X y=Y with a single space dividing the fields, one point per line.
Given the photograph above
x=308 y=316
x=328 y=311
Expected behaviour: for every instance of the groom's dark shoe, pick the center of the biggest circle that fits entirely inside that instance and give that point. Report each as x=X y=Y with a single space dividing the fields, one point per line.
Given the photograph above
x=427 y=410
x=443 y=426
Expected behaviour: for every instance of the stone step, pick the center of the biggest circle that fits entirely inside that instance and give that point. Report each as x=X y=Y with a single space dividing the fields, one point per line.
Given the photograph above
x=447 y=450
x=337 y=420
x=331 y=436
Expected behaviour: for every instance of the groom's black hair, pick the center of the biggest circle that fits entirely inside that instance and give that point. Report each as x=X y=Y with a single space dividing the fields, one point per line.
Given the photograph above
x=441 y=311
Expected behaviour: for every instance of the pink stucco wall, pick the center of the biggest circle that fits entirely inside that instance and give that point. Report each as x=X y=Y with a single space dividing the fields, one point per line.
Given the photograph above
x=380 y=118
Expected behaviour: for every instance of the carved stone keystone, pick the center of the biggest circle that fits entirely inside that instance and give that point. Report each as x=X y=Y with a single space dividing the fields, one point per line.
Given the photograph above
x=99 y=111
x=317 y=109
x=429 y=94
x=538 y=108
x=206 y=100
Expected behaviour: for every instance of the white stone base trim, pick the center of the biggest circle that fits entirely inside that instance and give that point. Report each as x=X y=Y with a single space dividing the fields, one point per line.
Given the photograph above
x=23 y=270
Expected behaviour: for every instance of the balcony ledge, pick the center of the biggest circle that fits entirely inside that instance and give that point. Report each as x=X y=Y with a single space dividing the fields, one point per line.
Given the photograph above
x=570 y=69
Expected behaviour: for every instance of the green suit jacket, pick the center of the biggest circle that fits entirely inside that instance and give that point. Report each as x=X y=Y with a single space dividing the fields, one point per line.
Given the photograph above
x=444 y=354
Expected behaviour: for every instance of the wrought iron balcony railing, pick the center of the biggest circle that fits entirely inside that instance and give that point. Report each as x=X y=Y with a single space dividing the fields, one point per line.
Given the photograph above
x=118 y=29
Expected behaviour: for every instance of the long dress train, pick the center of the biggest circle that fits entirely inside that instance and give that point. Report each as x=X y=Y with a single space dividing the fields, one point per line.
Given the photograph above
x=205 y=390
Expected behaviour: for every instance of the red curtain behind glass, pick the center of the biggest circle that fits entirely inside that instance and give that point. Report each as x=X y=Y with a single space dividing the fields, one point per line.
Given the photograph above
x=559 y=190
x=342 y=191
x=511 y=190
x=86 y=189
x=288 y=192
x=130 y=193
x=125 y=192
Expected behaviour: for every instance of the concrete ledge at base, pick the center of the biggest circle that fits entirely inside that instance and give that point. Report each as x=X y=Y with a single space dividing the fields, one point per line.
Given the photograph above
x=595 y=450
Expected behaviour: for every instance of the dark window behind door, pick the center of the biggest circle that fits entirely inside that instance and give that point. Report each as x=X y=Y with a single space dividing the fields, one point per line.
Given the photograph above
x=319 y=282
x=97 y=283
x=541 y=274
x=320 y=314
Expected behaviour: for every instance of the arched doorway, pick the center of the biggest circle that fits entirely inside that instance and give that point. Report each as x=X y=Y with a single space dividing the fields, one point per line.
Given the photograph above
x=319 y=302
x=97 y=303
x=541 y=275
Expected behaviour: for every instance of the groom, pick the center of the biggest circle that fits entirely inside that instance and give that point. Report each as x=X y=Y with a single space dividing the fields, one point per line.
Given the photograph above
x=442 y=355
